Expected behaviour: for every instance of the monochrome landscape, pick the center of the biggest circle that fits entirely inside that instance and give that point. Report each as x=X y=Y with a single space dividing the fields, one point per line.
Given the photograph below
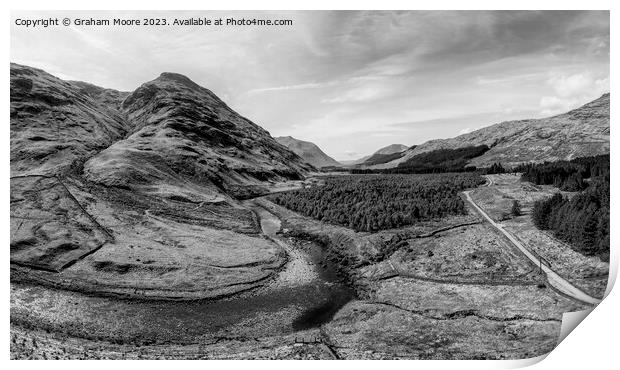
x=159 y=223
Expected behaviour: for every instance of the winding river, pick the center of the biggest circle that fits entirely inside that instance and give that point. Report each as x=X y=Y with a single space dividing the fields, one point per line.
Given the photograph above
x=306 y=293
x=311 y=277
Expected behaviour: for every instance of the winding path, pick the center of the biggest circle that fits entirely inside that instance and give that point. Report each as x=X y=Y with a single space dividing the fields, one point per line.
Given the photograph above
x=554 y=279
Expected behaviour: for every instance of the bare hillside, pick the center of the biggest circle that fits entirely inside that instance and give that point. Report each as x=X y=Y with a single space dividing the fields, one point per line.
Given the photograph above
x=581 y=132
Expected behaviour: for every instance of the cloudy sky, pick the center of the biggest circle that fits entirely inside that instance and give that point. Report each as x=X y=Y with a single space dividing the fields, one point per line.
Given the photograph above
x=350 y=82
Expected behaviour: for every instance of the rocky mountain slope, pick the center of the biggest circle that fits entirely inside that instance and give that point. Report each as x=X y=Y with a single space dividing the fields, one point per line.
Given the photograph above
x=385 y=155
x=387 y=150
x=581 y=132
x=137 y=194
x=181 y=132
x=169 y=130
x=109 y=97
x=391 y=149
x=308 y=151
x=353 y=162
x=54 y=125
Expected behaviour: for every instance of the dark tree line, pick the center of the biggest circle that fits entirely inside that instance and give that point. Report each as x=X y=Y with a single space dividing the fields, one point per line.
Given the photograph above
x=566 y=175
x=382 y=158
x=435 y=161
x=495 y=169
x=442 y=160
x=372 y=203
x=583 y=220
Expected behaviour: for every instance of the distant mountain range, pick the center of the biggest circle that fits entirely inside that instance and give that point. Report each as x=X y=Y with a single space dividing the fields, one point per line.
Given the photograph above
x=308 y=151
x=386 y=154
x=391 y=149
x=379 y=156
x=581 y=132
x=171 y=133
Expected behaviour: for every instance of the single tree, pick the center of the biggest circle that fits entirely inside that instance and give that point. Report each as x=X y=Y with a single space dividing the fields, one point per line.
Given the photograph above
x=516 y=208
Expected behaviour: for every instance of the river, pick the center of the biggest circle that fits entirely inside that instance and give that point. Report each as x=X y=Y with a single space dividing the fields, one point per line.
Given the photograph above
x=306 y=293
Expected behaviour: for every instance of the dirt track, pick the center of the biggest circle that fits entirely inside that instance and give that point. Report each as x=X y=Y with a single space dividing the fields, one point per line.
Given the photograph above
x=554 y=279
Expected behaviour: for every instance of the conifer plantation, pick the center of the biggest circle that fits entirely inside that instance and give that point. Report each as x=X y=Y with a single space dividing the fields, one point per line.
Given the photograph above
x=583 y=219
x=379 y=202
x=566 y=175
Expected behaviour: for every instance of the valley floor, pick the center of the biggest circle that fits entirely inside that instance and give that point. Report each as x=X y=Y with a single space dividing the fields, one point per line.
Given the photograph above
x=265 y=282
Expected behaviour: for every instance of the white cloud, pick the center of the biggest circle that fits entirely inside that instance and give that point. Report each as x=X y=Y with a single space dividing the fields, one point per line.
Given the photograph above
x=571 y=91
x=571 y=86
x=311 y=85
x=359 y=94
x=352 y=154
x=466 y=130
x=506 y=80
x=553 y=104
x=341 y=78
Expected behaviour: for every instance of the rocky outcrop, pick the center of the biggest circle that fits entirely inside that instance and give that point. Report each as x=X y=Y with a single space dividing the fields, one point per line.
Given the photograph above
x=108 y=97
x=308 y=151
x=578 y=133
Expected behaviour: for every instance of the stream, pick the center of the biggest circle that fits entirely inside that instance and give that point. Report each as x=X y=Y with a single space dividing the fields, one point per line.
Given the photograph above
x=306 y=293
x=319 y=288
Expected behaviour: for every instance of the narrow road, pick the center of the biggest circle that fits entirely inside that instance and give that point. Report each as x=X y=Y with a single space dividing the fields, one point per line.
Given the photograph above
x=554 y=279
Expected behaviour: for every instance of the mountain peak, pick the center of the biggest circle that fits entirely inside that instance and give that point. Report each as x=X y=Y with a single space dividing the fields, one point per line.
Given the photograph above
x=391 y=149
x=308 y=151
x=168 y=131
x=172 y=89
x=177 y=78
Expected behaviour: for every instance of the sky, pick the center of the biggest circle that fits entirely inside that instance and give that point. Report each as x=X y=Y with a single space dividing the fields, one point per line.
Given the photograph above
x=349 y=81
